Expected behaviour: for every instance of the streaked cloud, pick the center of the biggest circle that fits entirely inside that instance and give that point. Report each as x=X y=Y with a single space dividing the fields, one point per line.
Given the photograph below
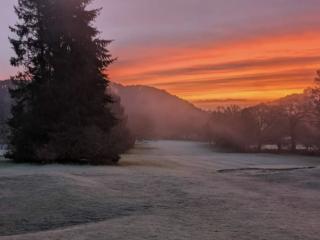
x=252 y=64
x=257 y=69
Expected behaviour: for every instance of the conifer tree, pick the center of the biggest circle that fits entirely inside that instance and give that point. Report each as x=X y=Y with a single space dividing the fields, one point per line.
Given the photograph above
x=62 y=111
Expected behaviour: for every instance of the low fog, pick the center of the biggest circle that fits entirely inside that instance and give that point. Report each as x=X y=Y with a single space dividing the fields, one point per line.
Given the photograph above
x=155 y=114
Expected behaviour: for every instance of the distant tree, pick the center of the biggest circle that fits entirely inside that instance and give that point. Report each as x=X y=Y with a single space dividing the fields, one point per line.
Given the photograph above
x=225 y=129
x=308 y=136
x=312 y=135
x=316 y=99
x=260 y=121
x=277 y=131
x=61 y=109
x=297 y=109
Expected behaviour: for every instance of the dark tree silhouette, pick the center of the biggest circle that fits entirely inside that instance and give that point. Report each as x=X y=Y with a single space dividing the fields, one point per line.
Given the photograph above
x=316 y=99
x=226 y=129
x=297 y=109
x=260 y=120
x=62 y=110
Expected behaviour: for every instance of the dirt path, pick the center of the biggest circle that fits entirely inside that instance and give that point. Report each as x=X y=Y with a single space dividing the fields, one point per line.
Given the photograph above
x=164 y=190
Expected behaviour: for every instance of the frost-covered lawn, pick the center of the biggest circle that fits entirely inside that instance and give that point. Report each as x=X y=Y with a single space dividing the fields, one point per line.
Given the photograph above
x=164 y=190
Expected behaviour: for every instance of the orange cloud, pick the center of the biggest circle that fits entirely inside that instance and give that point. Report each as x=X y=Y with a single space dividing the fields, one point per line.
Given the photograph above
x=257 y=69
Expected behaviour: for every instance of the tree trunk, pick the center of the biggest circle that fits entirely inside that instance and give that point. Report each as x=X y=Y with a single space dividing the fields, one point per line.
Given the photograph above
x=279 y=147
x=293 y=144
x=293 y=138
x=259 y=147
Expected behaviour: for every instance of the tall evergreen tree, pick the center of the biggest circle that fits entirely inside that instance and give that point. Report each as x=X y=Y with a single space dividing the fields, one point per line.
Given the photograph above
x=62 y=111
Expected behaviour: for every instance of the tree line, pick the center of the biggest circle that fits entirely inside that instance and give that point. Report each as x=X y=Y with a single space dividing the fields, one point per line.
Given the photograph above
x=291 y=124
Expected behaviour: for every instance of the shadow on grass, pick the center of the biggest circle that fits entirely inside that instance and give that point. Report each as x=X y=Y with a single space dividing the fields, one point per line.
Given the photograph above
x=148 y=163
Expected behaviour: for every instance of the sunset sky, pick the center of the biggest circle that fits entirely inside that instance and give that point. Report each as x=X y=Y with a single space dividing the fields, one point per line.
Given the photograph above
x=210 y=52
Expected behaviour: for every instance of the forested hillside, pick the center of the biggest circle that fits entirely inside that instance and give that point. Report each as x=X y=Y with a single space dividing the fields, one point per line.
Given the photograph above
x=156 y=114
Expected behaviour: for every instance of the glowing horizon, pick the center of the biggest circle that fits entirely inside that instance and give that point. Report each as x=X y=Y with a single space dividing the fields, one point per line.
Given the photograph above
x=252 y=70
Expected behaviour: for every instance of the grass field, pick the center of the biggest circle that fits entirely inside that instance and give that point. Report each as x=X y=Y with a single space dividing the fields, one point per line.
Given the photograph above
x=164 y=190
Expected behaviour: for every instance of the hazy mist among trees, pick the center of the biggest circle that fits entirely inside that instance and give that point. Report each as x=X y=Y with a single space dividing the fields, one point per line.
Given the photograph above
x=288 y=124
